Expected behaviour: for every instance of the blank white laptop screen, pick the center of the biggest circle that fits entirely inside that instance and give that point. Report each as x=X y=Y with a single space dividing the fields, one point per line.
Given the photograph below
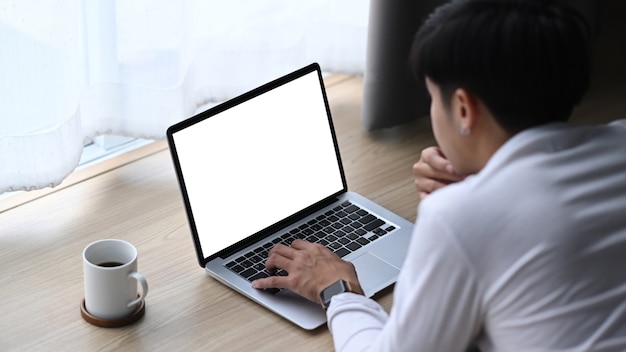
x=258 y=162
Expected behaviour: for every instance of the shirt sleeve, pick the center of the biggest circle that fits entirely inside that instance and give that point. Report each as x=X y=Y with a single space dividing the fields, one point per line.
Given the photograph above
x=436 y=300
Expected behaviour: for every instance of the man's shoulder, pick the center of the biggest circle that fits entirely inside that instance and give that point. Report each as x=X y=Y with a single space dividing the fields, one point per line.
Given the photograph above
x=619 y=124
x=448 y=198
x=455 y=203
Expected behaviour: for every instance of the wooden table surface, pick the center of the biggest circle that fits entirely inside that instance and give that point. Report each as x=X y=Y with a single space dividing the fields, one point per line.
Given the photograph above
x=41 y=245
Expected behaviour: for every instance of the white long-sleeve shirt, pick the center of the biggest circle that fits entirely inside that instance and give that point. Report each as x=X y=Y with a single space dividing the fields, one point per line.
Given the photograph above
x=527 y=255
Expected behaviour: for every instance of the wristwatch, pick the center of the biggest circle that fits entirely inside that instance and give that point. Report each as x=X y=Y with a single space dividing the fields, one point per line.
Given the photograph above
x=338 y=287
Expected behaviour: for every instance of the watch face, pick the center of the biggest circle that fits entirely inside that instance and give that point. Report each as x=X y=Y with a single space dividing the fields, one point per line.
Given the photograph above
x=336 y=288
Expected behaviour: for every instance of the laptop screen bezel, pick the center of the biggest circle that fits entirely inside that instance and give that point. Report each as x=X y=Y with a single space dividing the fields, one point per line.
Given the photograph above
x=172 y=130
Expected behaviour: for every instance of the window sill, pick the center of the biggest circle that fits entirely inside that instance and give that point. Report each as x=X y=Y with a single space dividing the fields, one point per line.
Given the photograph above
x=86 y=171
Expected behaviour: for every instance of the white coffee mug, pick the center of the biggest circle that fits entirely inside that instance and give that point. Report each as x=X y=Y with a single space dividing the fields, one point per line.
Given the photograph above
x=111 y=277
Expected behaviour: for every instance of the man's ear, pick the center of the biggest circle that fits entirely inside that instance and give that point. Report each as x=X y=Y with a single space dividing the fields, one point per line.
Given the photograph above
x=465 y=109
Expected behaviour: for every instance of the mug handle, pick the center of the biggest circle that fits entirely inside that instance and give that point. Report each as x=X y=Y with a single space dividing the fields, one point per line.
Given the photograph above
x=144 y=288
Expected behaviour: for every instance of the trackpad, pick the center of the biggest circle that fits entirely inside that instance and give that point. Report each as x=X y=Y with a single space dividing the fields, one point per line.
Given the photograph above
x=374 y=274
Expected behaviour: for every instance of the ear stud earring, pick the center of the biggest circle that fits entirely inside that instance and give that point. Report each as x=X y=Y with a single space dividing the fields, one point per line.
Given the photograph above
x=465 y=131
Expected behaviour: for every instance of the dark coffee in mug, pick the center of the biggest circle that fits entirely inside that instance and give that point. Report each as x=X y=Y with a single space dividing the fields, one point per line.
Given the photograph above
x=110 y=264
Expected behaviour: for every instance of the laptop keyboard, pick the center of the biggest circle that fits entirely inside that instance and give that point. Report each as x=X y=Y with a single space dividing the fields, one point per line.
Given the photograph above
x=344 y=229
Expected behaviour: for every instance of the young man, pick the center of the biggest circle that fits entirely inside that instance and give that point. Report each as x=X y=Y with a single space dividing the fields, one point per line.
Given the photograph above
x=524 y=249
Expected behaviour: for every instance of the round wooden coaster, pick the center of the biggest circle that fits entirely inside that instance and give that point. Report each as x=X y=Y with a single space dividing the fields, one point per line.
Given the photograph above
x=112 y=323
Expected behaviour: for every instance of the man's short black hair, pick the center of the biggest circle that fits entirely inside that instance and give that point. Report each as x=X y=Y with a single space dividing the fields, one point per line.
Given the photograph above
x=527 y=60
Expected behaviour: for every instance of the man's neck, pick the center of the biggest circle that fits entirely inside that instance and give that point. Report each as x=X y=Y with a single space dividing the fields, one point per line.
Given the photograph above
x=489 y=138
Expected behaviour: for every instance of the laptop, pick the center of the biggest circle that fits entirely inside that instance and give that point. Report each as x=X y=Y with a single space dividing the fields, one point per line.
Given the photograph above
x=264 y=168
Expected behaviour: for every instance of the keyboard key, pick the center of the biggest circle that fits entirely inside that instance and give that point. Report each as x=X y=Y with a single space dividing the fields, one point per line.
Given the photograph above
x=248 y=273
x=379 y=231
x=335 y=245
x=348 y=229
x=340 y=233
x=351 y=209
x=342 y=252
x=356 y=225
x=363 y=240
x=312 y=239
x=374 y=224
x=259 y=275
x=346 y=221
x=337 y=225
x=367 y=219
x=353 y=246
x=362 y=212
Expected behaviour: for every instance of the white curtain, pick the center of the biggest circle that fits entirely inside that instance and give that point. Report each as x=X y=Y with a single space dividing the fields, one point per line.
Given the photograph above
x=74 y=69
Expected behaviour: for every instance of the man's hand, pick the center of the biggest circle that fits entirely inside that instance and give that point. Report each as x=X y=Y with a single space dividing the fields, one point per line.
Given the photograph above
x=433 y=171
x=311 y=268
